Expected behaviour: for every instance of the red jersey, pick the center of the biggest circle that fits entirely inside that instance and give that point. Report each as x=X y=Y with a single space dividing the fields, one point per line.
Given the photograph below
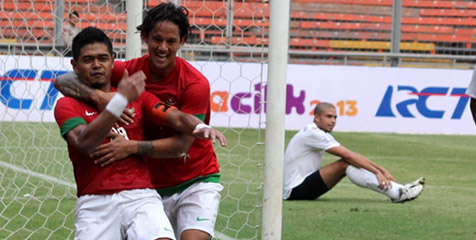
x=129 y=173
x=187 y=89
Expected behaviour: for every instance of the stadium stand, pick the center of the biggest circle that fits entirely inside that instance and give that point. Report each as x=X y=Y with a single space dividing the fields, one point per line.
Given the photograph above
x=33 y=21
x=435 y=27
x=426 y=25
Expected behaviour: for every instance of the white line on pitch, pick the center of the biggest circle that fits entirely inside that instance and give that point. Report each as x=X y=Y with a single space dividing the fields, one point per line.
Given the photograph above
x=219 y=235
x=39 y=175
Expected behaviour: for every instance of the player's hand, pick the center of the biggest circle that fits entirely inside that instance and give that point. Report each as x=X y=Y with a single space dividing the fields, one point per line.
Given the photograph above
x=384 y=183
x=117 y=149
x=387 y=175
x=132 y=86
x=103 y=99
x=126 y=117
x=210 y=133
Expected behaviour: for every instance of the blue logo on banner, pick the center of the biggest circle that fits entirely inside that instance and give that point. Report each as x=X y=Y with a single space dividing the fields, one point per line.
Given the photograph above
x=420 y=102
x=9 y=77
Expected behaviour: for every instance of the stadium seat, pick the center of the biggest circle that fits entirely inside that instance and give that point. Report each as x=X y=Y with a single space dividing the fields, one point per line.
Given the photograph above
x=314 y=23
x=27 y=6
x=447 y=12
x=238 y=41
x=381 y=45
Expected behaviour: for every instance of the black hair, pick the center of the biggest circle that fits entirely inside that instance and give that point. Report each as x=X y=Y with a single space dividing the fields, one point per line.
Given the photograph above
x=87 y=36
x=75 y=13
x=178 y=15
x=321 y=107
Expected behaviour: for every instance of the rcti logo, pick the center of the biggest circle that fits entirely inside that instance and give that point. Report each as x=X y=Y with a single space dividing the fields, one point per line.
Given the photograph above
x=8 y=90
x=420 y=99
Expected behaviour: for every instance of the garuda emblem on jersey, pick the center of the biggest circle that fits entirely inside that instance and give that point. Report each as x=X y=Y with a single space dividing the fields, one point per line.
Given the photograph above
x=171 y=101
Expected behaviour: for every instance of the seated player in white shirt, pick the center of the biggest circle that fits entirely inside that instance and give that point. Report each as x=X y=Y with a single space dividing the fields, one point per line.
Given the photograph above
x=305 y=179
x=471 y=91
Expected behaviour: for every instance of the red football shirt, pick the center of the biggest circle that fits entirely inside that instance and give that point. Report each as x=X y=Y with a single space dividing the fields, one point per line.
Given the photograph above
x=187 y=89
x=129 y=173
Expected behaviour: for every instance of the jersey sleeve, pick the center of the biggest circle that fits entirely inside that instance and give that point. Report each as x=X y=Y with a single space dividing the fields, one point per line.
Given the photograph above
x=67 y=115
x=154 y=109
x=320 y=140
x=197 y=100
x=117 y=72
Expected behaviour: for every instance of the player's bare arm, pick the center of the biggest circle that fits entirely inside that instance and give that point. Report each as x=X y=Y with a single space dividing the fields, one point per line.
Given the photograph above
x=163 y=114
x=193 y=126
x=360 y=161
x=171 y=147
x=210 y=133
x=384 y=171
x=70 y=85
x=119 y=148
x=146 y=148
x=86 y=138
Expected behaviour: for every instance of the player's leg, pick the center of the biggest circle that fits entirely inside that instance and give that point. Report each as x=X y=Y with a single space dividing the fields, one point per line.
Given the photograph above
x=143 y=216
x=197 y=210
x=366 y=179
x=194 y=234
x=334 y=172
x=97 y=217
x=319 y=182
x=472 y=106
x=411 y=190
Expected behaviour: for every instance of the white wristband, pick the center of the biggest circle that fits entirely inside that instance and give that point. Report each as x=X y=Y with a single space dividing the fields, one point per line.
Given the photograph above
x=117 y=104
x=200 y=126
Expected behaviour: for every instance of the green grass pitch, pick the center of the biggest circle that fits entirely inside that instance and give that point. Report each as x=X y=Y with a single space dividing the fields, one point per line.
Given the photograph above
x=37 y=193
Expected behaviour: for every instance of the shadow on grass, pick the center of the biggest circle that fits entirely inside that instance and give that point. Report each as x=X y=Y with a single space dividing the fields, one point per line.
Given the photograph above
x=342 y=200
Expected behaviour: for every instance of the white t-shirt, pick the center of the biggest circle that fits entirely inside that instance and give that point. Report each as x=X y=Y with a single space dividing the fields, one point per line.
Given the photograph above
x=69 y=32
x=471 y=91
x=304 y=155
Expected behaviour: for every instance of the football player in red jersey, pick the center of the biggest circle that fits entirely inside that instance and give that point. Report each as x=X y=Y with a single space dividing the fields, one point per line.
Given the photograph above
x=190 y=188
x=119 y=200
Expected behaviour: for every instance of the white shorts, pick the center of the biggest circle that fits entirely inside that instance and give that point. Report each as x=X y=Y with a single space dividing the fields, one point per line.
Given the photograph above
x=130 y=214
x=194 y=208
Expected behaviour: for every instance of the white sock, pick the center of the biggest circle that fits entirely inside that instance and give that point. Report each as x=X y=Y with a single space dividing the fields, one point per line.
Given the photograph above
x=366 y=179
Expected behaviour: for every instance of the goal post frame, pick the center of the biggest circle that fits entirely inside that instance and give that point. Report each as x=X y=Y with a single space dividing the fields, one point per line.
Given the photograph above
x=275 y=119
x=133 y=40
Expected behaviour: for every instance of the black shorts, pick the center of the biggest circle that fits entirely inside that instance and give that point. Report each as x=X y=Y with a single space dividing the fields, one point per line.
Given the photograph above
x=311 y=188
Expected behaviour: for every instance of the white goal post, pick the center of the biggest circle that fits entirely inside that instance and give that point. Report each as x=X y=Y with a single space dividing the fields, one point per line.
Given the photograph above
x=275 y=120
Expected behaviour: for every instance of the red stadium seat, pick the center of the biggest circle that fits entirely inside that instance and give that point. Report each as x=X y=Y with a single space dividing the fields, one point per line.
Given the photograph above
x=313 y=22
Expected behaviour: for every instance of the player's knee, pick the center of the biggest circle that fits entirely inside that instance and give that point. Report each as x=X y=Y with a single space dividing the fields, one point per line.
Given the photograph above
x=342 y=164
x=193 y=234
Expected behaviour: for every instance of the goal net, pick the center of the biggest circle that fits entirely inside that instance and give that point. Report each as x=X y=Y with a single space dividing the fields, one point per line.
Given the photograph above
x=37 y=190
